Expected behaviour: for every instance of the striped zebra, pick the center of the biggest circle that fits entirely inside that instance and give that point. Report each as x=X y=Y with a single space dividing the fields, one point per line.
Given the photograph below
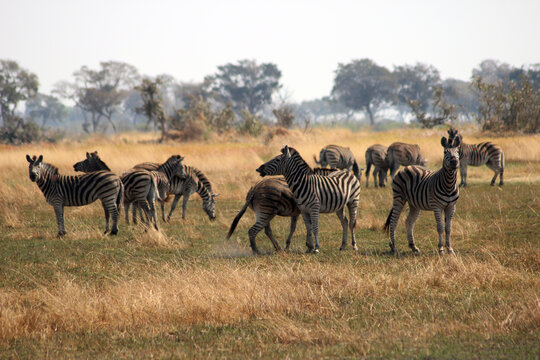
x=143 y=188
x=486 y=153
x=316 y=194
x=376 y=156
x=403 y=154
x=77 y=190
x=193 y=181
x=423 y=189
x=338 y=157
x=268 y=198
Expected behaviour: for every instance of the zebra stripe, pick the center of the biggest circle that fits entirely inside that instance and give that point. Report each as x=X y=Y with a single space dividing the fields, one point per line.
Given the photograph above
x=316 y=194
x=77 y=190
x=376 y=156
x=485 y=153
x=338 y=157
x=426 y=190
x=193 y=181
x=403 y=154
x=143 y=188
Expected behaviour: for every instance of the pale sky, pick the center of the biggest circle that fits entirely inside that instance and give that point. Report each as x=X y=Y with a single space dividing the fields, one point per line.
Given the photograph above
x=305 y=39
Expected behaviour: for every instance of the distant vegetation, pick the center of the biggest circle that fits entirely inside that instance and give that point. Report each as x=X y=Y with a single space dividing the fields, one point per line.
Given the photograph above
x=246 y=96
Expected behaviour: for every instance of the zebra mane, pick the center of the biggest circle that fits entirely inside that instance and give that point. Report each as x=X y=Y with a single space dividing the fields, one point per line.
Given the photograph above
x=50 y=169
x=100 y=162
x=301 y=160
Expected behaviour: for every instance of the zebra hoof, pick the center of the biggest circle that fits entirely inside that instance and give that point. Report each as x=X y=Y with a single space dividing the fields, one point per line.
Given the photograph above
x=114 y=232
x=355 y=248
x=342 y=248
x=61 y=233
x=315 y=251
x=450 y=251
x=441 y=251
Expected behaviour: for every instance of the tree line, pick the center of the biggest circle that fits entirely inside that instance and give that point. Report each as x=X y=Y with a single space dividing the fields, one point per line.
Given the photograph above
x=246 y=95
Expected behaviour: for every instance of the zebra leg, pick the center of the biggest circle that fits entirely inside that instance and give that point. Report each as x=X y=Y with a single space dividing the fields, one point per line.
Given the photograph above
x=344 y=224
x=409 y=223
x=253 y=231
x=107 y=215
x=375 y=172
x=153 y=212
x=393 y=169
x=497 y=169
x=268 y=232
x=184 y=206
x=368 y=168
x=395 y=213
x=463 y=173
x=59 y=212
x=173 y=205
x=353 y=206
x=448 y=214
x=315 y=227
x=440 y=228
x=294 y=220
x=126 y=210
x=309 y=239
x=163 y=211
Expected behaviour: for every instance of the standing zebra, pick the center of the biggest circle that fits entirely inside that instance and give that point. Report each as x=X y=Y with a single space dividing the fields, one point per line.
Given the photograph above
x=486 y=153
x=426 y=190
x=316 y=194
x=403 y=154
x=338 y=157
x=193 y=181
x=376 y=155
x=65 y=190
x=268 y=198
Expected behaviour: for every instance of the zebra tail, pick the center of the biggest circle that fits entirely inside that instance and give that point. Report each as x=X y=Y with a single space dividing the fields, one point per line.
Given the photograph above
x=120 y=198
x=356 y=170
x=237 y=219
x=388 y=219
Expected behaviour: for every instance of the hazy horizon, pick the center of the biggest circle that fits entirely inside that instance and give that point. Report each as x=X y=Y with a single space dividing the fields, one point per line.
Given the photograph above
x=305 y=39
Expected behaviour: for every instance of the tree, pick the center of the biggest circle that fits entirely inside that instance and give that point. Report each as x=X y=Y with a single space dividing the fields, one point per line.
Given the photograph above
x=363 y=85
x=246 y=84
x=47 y=108
x=16 y=85
x=492 y=71
x=152 y=106
x=100 y=92
x=461 y=94
x=416 y=83
x=443 y=112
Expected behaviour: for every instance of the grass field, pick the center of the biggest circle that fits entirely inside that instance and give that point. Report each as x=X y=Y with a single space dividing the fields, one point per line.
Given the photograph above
x=185 y=291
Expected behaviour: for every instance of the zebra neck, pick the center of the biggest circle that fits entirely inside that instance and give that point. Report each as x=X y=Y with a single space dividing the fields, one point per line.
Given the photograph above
x=46 y=182
x=202 y=191
x=447 y=178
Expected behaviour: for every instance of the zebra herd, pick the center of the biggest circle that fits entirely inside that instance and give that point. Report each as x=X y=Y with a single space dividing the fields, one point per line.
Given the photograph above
x=300 y=191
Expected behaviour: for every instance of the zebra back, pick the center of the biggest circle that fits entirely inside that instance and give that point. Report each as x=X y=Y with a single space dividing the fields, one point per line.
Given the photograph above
x=404 y=154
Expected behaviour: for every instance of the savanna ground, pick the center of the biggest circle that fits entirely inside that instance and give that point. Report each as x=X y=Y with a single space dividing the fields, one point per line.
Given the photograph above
x=187 y=292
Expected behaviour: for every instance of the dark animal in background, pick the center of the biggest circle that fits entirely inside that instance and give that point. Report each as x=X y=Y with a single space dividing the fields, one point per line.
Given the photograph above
x=376 y=156
x=399 y=153
x=338 y=157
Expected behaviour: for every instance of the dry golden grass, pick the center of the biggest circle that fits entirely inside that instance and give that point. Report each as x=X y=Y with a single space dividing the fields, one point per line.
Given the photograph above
x=185 y=278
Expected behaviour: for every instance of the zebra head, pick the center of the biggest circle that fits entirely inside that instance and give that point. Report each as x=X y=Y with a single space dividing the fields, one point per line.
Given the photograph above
x=91 y=163
x=209 y=206
x=451 y=152
x=35 y=168
x=175 y=164
x=277 y=164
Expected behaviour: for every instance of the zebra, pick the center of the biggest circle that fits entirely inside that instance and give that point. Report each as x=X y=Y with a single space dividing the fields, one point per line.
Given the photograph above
x=143 y=188
x=338 y=157
x=77 y=190
x=268 y=198
x=403 y=154
x=424 y=189
x=316 y=194
x=92 y=163
x=376 y=156
x=486 y=153
x=193 y=181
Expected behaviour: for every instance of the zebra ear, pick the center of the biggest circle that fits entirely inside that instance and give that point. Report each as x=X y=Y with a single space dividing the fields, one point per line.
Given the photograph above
x=444 y=142
x=29 y=159
x=40 y=159
x=87 y=155
x=457 y=141
x=286 y=151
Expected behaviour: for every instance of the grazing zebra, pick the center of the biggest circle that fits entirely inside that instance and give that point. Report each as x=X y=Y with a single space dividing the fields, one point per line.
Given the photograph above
x=316 y=194
x=143 y=188
x=78 y=190
x=376 y=156
x=403 y=154
x=486 y=153
x=338 y=157
x=268 y=198
x=426 y=190
x=193 y=181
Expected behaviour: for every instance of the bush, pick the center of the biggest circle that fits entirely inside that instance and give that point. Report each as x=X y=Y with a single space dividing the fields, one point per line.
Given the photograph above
x=250 y=124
